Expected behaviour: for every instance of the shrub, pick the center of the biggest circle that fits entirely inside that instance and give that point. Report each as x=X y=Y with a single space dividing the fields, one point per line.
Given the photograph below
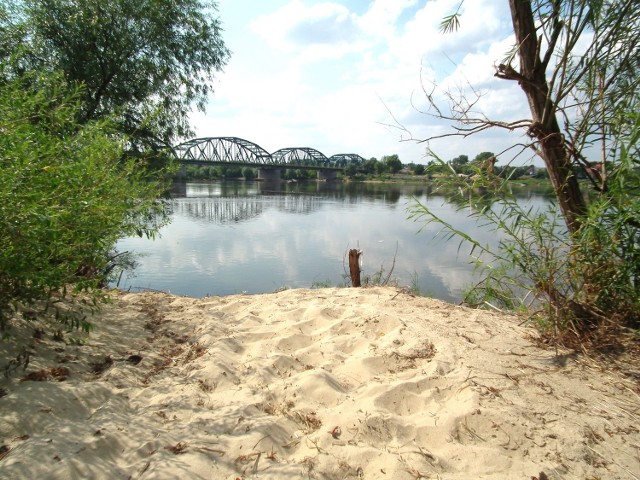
x=66 y=196
x=583 y=287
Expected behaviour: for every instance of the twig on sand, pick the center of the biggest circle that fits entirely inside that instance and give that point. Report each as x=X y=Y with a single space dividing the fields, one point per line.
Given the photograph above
x=317 y=447
x=494 y=307
x=614 y=462
x=393 y=265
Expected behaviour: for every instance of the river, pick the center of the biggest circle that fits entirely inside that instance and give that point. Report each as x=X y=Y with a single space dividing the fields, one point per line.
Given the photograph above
x=230 y=237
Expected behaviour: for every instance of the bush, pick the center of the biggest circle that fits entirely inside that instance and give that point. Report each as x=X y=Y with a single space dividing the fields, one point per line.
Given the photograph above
x=66 y=196
x=583 y=287
x=249 y=173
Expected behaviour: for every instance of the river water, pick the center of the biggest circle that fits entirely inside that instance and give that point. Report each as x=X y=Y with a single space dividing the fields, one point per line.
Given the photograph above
x=255 y=237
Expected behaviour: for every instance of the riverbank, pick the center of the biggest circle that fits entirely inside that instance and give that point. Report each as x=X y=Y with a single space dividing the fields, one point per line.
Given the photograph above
x=330 y=383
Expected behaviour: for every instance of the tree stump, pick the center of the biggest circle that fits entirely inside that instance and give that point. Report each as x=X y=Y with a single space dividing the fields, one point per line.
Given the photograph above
x=354 y=266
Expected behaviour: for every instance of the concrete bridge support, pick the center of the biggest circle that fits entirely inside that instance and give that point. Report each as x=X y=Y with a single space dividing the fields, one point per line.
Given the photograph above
x=182 y=172
x=271 y=174
x=327 y=175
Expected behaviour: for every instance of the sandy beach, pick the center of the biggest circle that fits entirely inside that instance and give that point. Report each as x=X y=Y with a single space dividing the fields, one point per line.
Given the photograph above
x=336 y=383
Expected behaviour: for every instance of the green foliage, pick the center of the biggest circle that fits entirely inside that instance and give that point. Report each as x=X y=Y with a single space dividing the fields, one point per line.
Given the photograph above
x=249 y=173
x=370 y=165
x=381 y=168
x=451 y=23
x=233 y=171
x=147 y=62
x=65 y=196
x=298 y=174
x=577 y=63
x=461 y=165
x=608 y=246
x=541 y=173
x=392 y=163
x=586 y=284
x=481 y=157
x=351 y=170
x=460 y=160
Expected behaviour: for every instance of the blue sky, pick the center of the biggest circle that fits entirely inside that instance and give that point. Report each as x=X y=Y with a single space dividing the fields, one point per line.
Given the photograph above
x=343 y=76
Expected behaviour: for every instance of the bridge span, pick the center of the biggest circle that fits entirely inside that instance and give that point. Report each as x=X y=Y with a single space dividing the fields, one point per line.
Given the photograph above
x=234 y=151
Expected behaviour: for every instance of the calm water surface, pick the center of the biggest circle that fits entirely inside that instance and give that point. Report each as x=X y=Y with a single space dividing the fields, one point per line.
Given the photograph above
x=254 y=237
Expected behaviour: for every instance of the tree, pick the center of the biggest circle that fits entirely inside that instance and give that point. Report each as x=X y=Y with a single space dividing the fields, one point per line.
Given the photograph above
x=483 y=157
x=577 y=63
x=249 y=173
x=381 y=168
x=587 y=89
x=147 y=62
x=532 y=78
x=370 y=166
x=351 y=170
x=461 y=164
x=66 y=197
x=541 y=173
x=460 y=160
x=392 y=163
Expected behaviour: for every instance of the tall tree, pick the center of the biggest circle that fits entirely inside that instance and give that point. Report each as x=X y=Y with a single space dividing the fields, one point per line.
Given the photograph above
x=532 y=78
x=577 y=94
x=392 y=163
x=577 y=62
x=148 y=62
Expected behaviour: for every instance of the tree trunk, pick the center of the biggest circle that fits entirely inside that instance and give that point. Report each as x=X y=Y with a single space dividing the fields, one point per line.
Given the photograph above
x=545 y=128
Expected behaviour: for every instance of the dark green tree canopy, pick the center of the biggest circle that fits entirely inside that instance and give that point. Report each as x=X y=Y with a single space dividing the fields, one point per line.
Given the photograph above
x=392 y=163
x=481 y=157
x=460 y=160
x=148 y=62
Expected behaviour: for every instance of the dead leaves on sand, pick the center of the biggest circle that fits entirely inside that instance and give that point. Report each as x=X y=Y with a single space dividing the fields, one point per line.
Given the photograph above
x=176 y=349
x=308 y=421
x=177 y=449
x=53 y=373
x=407 y=361
x=99 y=367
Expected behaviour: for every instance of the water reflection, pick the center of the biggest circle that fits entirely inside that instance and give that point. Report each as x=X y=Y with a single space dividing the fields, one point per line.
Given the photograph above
x=229 y=237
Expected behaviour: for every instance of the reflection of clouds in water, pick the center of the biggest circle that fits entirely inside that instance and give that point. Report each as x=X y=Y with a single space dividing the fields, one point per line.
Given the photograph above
x=290 y=244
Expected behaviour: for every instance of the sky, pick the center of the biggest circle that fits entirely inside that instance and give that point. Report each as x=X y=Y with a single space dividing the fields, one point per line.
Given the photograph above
x=351 y=76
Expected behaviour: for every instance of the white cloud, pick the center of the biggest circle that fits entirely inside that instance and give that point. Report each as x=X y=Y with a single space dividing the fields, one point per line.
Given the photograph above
x=322 y=75
x=381 y=18
x=315 y=31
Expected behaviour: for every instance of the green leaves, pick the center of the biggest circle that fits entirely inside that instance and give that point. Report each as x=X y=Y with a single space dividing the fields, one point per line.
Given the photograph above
x=451 y=23
x=65 y=195
x=146 y=62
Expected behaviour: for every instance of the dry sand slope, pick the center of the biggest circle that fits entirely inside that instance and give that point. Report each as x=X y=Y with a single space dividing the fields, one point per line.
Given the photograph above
x=312 y=384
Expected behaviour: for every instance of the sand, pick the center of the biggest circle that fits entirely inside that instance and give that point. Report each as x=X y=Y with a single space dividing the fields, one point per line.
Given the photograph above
x=311 y=384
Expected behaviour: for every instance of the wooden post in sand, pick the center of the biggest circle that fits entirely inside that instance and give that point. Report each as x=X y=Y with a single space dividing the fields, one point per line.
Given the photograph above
x=354 y=266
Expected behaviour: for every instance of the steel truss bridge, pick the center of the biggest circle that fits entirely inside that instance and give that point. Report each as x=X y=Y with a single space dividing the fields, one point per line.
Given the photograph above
x=236 y=151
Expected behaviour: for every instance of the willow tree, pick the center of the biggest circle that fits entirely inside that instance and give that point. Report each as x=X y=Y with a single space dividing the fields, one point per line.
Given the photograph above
x=559 y=80
x=577 y=94
x=576 y=62
x=66 y=197
x=146 y=63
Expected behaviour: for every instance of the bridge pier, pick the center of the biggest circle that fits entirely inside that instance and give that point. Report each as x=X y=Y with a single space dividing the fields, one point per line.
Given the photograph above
x=181 y=174
x=327 y=175
x=271 y=174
